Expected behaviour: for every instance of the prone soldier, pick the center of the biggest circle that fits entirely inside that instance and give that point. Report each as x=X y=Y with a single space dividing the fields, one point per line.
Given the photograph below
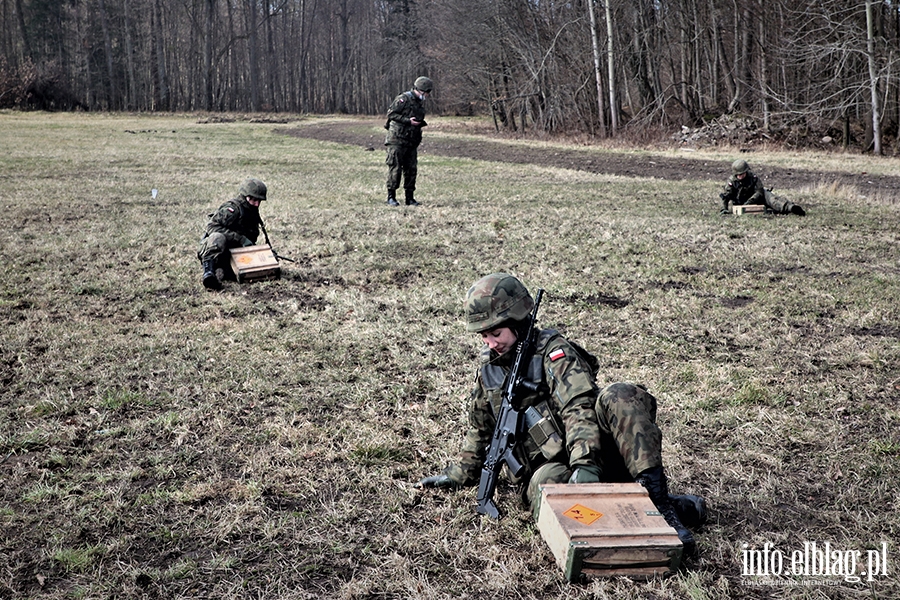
x=743 y=187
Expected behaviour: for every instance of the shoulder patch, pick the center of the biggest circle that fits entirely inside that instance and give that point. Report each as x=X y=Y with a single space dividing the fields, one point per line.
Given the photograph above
x=557 y=354
x=230 y=209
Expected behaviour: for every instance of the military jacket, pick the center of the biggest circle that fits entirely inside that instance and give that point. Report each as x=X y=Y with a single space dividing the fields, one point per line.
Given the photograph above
x=560 y=416
x=235 y=219
x=403 y=109
x=748 y=190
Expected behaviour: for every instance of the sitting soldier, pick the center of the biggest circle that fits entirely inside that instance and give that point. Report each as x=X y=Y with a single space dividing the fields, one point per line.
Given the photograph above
x=581 y=434
x=744 y=187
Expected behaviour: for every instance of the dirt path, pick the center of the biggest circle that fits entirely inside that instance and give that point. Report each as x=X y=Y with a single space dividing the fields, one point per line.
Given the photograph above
x=612 y=164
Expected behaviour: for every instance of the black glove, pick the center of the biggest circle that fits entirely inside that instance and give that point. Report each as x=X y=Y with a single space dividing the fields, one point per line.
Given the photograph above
x=436 y=481
x=585 y=474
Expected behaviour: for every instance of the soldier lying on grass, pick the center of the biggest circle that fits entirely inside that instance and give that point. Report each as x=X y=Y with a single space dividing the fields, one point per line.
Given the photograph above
x=743 y=187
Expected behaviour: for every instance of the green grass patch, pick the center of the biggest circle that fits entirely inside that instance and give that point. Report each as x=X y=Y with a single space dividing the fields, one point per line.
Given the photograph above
x=160 y=440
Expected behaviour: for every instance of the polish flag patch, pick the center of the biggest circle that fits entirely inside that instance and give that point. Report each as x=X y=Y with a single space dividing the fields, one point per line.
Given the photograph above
x=557 y=354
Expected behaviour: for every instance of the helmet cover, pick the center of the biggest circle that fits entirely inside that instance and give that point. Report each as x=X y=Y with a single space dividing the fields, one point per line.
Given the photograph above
x=739 y=166
x=424 y=84
x=253 y=188
x=495 y=299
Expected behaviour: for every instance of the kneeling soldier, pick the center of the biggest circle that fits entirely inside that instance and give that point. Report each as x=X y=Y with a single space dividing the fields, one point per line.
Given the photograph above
x=234 y=225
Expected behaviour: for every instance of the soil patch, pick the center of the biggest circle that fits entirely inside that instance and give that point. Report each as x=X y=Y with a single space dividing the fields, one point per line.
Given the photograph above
x=347 y=132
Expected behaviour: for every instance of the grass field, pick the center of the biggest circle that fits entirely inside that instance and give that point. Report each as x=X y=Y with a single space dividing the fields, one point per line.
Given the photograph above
x=161 y=441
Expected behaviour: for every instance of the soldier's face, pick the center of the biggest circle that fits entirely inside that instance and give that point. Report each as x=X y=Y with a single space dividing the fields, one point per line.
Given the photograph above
x=499 y=340
x=253 y=201
x=741 y=175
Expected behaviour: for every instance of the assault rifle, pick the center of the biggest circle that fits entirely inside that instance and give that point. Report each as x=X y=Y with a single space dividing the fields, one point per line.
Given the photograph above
x=509 y=427
x=269 y=244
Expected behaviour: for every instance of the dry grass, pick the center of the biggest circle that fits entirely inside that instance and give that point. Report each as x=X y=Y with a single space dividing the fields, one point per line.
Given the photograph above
x=159 y=441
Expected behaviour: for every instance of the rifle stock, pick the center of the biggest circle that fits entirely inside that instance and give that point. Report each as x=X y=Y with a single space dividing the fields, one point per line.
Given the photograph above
x=508 y=428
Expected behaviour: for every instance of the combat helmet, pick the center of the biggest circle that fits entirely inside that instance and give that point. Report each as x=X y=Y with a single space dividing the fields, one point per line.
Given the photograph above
x=253 y=188
x=424 y=84
x=495 y=299
x=739 y=166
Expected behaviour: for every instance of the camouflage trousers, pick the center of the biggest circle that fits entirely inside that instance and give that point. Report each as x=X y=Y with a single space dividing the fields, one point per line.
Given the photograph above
x=213 y=246
x=777 y=204
x=630 y=440
x=402 y=160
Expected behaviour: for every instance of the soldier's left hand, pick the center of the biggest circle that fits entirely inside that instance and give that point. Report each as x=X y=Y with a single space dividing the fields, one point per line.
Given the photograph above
x=435 y=481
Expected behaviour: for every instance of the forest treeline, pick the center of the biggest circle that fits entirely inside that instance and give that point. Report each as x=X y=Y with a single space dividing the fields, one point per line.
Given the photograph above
x=596 y=67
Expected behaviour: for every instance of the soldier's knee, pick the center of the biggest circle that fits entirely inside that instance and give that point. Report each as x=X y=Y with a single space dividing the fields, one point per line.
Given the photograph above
x=621 y=392
x=620 y=399
x=212 y=246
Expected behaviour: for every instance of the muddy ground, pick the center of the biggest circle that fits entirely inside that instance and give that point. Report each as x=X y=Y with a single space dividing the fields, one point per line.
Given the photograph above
x=495 y=149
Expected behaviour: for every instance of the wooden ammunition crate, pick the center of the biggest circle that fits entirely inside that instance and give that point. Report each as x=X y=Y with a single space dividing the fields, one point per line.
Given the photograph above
x=606 y=530
x=746 y=209
x=254 y=263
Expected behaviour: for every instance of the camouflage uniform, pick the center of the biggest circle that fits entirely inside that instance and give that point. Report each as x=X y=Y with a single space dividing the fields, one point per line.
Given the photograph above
x=575 y=432
x=235 y=224
x=750 y=190
x=403 y=139
x=576 y=425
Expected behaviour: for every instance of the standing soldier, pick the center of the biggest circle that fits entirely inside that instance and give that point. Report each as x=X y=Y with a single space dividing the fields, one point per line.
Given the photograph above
x=234 y=225
x=577 y=433
x=743 y=187
x=405 y=120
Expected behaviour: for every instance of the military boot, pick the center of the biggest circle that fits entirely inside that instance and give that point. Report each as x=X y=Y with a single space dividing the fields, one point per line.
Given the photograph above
x=654 y=481
x=410 y=201
x=210 y=281
x=392 y=200
x=794 y=209
x=691 y=509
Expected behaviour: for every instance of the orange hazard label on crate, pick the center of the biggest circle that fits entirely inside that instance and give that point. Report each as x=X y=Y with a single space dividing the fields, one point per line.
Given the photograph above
x=583 y=514
x=244 y=259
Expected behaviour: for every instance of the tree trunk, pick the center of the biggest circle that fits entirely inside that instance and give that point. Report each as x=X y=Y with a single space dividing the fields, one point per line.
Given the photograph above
x=873 y=78
x=162 y=84
x=112 y=91
x=611 y=78
x=595 y=46
x=26 y=40
x=131 y=101
x=763 y=70
x=253 y=42
x=206 y=101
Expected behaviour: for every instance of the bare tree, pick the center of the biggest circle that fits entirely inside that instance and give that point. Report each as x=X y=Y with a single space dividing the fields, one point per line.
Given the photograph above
x=611 y=76
x=787 y=63
x=595 y=46
x=873 y=77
